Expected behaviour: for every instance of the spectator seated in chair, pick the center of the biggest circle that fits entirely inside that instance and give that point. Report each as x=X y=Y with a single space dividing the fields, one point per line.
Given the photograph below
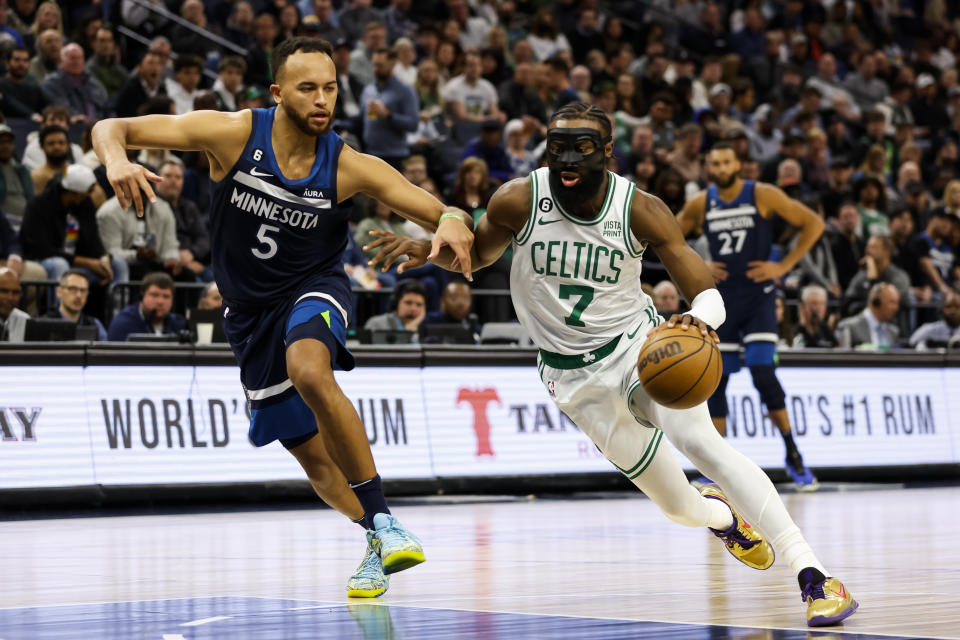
x=455 y=305
x=150 y=315
x=874 y=327
x=60 y=230
x=409 y=309
x=13 y=321
x=944 y=332
x=72 y=295
x=211 y=298
x=814 y=328
x=147 y=243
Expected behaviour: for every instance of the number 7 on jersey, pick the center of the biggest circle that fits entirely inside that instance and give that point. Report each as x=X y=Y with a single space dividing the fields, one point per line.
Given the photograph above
x=586 y=297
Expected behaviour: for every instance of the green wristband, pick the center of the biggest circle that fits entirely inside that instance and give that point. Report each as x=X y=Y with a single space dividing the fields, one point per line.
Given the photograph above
x=450 y=215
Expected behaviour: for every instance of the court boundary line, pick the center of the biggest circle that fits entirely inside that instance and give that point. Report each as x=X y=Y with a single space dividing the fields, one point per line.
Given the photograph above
x=696 y=624
x=323 y=603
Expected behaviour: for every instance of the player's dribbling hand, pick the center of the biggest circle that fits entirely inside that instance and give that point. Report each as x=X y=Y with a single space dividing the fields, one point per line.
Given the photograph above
x=456 y=235
x=686 y=322
x=393 y=247
x=130 y=181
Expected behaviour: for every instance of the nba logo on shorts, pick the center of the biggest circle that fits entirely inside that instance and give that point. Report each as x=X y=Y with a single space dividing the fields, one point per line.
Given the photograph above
x=552 y=388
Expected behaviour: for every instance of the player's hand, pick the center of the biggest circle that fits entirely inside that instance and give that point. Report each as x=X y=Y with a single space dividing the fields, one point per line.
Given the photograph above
x=130 y=182
x=763 y=270
x=686 y=322
x=718 y=270
x=393 y=247
x=456 y=235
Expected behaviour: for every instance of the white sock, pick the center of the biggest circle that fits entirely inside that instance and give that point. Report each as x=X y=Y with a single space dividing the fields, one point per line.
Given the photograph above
x=721 y=518
x=793 y=548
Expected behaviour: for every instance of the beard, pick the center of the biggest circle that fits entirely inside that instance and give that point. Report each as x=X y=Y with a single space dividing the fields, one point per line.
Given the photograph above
x=579 y=194
x=304 y=124
x=55 y=160
x=723 y=184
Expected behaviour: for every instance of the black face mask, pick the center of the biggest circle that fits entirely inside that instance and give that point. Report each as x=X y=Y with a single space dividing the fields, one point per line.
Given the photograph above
x=580 y=151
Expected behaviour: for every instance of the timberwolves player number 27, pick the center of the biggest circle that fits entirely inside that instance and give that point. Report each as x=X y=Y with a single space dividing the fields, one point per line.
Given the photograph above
x=278 y=237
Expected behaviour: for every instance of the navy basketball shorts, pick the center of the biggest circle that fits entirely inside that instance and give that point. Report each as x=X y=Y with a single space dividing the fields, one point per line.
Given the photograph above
x=751 y=321
x=259 y=337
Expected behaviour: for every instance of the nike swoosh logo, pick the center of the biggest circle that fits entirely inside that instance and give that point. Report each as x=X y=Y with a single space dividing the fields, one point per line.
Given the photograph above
x=634 y=332
x=259 y=174
x=549 y=221
x=768 y=288
x=842 y=593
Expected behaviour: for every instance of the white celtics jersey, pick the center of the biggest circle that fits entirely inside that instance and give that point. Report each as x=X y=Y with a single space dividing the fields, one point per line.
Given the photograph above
x=575 y=283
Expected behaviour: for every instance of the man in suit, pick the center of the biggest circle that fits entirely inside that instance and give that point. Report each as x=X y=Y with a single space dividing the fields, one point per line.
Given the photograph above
x=875 y=324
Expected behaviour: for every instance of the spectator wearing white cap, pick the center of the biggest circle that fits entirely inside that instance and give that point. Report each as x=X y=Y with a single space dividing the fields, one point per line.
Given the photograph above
x=929 y=113
x=60 y=229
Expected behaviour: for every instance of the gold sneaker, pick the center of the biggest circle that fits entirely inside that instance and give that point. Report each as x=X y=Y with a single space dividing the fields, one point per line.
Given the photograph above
x=828 y=602
x=742 y=541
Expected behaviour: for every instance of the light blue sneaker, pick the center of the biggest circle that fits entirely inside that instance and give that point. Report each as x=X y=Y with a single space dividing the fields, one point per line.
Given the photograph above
x=398 y=548
x=368 y=581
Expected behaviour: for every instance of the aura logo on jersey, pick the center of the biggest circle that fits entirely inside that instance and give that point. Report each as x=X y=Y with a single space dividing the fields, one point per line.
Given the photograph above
x=479 y=399
x=19 y=424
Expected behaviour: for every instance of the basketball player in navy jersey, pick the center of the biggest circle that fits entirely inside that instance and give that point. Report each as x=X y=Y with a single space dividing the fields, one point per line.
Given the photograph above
x=737 y=216
x=278 y=235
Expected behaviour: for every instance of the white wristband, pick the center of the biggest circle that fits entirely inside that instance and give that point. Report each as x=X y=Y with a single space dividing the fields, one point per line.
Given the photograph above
x=708 y=306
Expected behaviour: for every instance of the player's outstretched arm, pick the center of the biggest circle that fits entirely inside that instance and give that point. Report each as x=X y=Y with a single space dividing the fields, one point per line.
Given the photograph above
x=221 y=135
x=362 y=173
x=506 y=215
x=652 y=222
x=771 y=199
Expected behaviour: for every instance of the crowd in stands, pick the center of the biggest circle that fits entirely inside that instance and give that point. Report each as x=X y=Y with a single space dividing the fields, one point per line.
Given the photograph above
x=852 y=106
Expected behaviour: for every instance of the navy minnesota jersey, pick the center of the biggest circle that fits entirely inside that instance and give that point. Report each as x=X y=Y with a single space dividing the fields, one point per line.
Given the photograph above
x=738 y=234
x=273 y=237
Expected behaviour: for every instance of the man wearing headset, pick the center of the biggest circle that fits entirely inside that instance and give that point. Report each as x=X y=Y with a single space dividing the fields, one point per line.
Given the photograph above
x=875 y=324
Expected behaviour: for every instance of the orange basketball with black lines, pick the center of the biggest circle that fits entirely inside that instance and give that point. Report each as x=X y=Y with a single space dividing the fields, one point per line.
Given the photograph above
x=679 y=369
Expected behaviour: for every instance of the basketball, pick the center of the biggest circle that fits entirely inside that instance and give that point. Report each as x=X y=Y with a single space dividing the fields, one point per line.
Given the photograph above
x=680 y=369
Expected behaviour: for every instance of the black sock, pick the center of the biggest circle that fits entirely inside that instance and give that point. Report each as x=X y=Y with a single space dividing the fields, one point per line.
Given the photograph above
x=809 y=575
x=362 y=521
x=370 y=495
x=792 y=451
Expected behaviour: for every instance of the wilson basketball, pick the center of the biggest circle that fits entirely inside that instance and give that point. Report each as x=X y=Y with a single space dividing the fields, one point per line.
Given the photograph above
x=680 y=369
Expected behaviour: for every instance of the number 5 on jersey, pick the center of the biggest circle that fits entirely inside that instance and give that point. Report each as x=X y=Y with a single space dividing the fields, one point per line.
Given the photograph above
x=268 y=246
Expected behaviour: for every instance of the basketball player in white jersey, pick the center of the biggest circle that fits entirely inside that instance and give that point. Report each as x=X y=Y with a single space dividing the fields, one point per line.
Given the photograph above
x=578 y=233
